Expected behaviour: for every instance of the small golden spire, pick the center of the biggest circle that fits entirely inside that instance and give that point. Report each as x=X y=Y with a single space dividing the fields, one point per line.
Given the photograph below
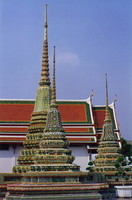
x=53 y=96
x=107 y=114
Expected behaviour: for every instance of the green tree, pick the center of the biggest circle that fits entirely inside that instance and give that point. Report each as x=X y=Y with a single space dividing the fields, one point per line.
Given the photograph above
x=121 y=169
x=90 y=166
x=126 y=150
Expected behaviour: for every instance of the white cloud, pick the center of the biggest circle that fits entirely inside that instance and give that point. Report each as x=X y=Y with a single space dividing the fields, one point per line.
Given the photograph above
x=68 y=58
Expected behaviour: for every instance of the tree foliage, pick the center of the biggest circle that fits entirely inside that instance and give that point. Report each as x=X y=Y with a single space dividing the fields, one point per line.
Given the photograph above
x=126 y=148
x=121 y=170
x=90 y=166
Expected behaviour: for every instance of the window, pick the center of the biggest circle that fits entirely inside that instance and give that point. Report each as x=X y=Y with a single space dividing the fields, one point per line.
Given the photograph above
x=4 y=146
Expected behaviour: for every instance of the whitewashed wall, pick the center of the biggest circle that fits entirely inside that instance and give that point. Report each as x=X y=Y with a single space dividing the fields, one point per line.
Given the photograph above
x=8 y=158
x=81 y=156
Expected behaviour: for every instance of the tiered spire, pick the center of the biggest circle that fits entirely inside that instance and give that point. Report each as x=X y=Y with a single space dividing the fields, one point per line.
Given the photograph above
x=53 y=95
x=108 y=146
x=41 y=108
x=107 y=114
x=44 y=91
x=108 y=132
x=45 y=80
x=53 y=117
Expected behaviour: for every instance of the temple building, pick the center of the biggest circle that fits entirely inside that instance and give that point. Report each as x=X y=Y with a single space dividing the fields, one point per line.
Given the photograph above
x=23 y=121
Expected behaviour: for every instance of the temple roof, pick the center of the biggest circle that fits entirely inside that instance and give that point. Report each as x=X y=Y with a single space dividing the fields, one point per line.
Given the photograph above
x=99 y=116
x=20 y=111
x=81 y=120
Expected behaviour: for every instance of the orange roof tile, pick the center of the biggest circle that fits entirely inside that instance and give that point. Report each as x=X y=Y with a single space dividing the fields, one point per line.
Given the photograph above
x=73 y=112
x=99 y=116
x=76 y=130
x=15 y=112
x=14 y=129
x=21 y=112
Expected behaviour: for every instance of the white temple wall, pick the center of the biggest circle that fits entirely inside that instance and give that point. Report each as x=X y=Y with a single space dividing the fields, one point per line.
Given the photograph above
x=17 y=152
x=81 y=156
x=93 y=156
x=8 y=158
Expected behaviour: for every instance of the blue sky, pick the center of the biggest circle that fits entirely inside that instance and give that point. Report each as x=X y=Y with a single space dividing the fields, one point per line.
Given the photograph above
x=92 y=37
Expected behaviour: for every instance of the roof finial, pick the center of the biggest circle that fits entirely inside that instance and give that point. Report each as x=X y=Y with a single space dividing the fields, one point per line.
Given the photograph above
x=115 y=99
x=53 y=96
x=45 y=24
x=107 y=114
x=91 y=95
x=45 y=80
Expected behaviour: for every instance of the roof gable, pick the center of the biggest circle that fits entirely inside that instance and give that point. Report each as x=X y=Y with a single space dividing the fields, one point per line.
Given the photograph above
x=99 y=116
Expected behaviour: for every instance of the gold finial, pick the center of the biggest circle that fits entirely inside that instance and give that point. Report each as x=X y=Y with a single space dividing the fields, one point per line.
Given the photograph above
x=91 y=94
x=115 y=99
x=53 y=96
x=107 y=114
x=45 y=24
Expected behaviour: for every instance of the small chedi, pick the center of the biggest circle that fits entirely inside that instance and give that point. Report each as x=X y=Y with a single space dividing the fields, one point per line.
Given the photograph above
x=108 y=151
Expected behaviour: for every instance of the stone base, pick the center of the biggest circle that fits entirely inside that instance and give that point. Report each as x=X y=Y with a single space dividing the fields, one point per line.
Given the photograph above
x=58 y=191
x=59 y=197
x=3 y=190
x=124 y=191
x=52 y=177
x=76 y=185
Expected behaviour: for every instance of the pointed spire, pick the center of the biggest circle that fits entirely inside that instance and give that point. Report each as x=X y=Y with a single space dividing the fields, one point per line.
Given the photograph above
x=107 y=114
x=53 y=122
x=53 y=96
x=45 y=80
x=45 y=24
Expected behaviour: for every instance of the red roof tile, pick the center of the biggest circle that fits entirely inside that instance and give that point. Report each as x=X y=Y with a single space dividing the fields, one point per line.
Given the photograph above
x=22 y=112
x=99 y=116
x=73 y=112
x=16 y=129
x=76 y=130
x=75 y=115
x=15 y=112
x=12 y=139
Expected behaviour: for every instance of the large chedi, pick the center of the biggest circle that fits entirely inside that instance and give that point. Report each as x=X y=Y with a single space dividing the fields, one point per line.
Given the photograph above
x=53 y=159
x=45 y=167
x=53 y=174
x=46 y=146
x=108 y=146
x=39 y=115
